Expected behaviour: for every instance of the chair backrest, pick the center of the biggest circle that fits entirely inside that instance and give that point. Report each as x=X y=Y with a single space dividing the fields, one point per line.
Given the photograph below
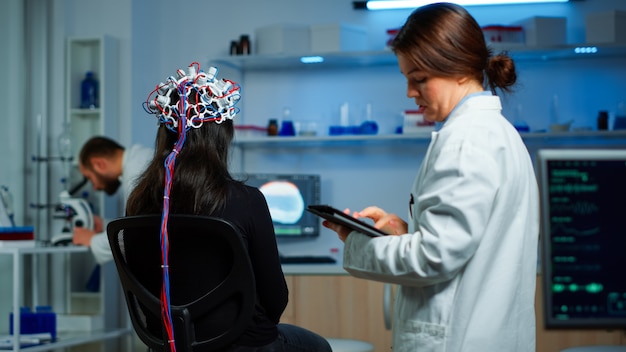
x=212 y=288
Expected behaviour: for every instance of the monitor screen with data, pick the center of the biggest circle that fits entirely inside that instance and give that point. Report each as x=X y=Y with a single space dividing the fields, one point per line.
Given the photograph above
x=287 y=197
x=583 y=260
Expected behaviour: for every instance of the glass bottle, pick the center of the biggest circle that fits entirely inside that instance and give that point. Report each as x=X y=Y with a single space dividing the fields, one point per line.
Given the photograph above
x=244 y=44
x=603 y=120
x=64 y=141
x=234 y=48
x=89 y=91
x=272 y=128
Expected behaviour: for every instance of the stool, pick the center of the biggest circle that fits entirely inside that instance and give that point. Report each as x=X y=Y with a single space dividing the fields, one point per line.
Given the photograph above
x=347 y=345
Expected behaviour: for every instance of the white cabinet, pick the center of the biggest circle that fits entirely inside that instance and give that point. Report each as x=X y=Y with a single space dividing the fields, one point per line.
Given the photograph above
x=20 y=256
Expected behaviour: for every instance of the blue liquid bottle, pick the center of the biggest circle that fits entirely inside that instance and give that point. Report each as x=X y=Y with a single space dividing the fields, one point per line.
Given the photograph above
x=89 y=92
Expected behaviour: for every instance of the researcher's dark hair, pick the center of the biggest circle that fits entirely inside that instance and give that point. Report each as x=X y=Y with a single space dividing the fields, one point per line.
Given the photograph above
x=201 y=176
x=444 y=40
x=98 y=146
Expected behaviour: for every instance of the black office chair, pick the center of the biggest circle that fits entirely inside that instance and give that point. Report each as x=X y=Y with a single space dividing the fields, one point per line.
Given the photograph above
x=212 y=290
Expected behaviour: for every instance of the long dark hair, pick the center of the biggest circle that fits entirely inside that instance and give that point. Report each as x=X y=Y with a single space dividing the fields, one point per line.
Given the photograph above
x=201 y=176
x=444 y=40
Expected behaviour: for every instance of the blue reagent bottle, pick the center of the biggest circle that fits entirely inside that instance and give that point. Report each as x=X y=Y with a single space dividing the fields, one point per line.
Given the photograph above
x=89 y=92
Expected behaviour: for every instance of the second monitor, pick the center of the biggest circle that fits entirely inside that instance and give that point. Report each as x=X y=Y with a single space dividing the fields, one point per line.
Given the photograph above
x=287 y=197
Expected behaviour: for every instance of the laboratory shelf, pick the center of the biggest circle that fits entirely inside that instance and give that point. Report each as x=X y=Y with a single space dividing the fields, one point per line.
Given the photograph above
x=316 y=141
x=42 y=249
x=578 y=137
x=385 y=57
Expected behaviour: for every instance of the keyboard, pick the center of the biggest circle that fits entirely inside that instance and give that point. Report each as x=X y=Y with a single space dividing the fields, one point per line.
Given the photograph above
x=307 y=259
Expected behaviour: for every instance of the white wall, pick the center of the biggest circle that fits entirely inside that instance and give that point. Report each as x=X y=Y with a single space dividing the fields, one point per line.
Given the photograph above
x=226 y=21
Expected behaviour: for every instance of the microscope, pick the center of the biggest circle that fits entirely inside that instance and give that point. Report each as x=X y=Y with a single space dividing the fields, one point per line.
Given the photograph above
x=76 y=212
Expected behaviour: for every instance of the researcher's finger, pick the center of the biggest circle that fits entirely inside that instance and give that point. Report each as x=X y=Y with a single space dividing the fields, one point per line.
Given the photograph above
x=392 y=224
x=372 y=212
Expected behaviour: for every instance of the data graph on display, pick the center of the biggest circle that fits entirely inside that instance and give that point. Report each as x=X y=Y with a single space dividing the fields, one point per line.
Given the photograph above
x=583 y=203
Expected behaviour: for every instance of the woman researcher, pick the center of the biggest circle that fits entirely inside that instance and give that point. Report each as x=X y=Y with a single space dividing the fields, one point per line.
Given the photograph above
x=465 y=262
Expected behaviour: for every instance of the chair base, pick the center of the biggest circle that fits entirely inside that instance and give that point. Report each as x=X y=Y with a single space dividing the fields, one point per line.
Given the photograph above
x=348 y=345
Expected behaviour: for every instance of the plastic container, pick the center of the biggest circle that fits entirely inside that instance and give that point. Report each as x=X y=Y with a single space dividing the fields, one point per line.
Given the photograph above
x=17 y=233
x=391 y=35
x=337 y=37
x=544 y=31
x=607 y=27
x=504 y=34
x=89 y=91
x=283 y=39
x=42 y=320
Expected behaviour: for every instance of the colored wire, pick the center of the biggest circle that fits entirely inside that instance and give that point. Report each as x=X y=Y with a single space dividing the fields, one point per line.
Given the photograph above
x=169 y=165
x=213 y=101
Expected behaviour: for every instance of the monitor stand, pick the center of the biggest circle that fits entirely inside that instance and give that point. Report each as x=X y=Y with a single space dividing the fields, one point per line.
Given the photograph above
x=596 y=349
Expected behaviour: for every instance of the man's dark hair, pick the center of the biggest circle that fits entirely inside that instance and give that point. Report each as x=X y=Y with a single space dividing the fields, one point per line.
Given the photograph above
x=98 y=146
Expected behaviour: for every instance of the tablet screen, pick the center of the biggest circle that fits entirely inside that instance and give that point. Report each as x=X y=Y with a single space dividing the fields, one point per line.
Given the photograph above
x=339 y=217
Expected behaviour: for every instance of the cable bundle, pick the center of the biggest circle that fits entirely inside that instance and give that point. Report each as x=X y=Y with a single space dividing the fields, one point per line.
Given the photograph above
x=202 y=99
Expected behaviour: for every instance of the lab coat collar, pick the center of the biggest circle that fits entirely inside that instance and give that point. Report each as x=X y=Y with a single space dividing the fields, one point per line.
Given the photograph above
x=480 y=100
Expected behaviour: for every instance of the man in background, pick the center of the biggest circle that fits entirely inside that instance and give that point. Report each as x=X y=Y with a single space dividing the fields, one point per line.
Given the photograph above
x=108 y=165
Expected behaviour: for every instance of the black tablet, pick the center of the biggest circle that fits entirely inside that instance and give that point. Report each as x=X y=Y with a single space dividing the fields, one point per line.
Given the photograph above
x=339 y=217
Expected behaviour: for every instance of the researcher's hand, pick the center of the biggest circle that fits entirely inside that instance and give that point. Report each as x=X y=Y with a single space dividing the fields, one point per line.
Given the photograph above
x=389 y=223
x=83 y=236
x=98 y=224
x=341 y=230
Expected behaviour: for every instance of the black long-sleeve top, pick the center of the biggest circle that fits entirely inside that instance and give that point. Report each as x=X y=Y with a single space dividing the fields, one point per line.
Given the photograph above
x=247 y=210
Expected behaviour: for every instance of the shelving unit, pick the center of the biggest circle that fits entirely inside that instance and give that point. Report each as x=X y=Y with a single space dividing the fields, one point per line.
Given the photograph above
x=63 y=339
x=418 y=138
x=348 y=60
x=386 y=57
x=99 y=55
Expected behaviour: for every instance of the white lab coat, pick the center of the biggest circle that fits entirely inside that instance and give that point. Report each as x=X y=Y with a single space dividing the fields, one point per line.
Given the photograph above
x=134 y=162
x=467 y=268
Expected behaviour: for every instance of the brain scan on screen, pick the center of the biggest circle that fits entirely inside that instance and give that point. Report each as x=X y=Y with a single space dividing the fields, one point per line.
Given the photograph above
x=285 y=201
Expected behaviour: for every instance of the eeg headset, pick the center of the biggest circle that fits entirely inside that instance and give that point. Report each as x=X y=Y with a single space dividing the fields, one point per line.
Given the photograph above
x=202 y=98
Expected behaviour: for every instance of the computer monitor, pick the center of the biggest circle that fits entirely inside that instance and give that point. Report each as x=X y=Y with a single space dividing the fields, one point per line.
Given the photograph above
x=287 y=197
x=583 y=260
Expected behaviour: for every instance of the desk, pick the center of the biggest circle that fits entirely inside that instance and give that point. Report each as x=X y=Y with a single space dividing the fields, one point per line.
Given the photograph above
x=63 y=340
x=313 y=269
x=325 y=299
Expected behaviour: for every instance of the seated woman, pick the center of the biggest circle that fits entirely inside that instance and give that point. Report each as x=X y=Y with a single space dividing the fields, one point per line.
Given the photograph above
x=189 y=175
